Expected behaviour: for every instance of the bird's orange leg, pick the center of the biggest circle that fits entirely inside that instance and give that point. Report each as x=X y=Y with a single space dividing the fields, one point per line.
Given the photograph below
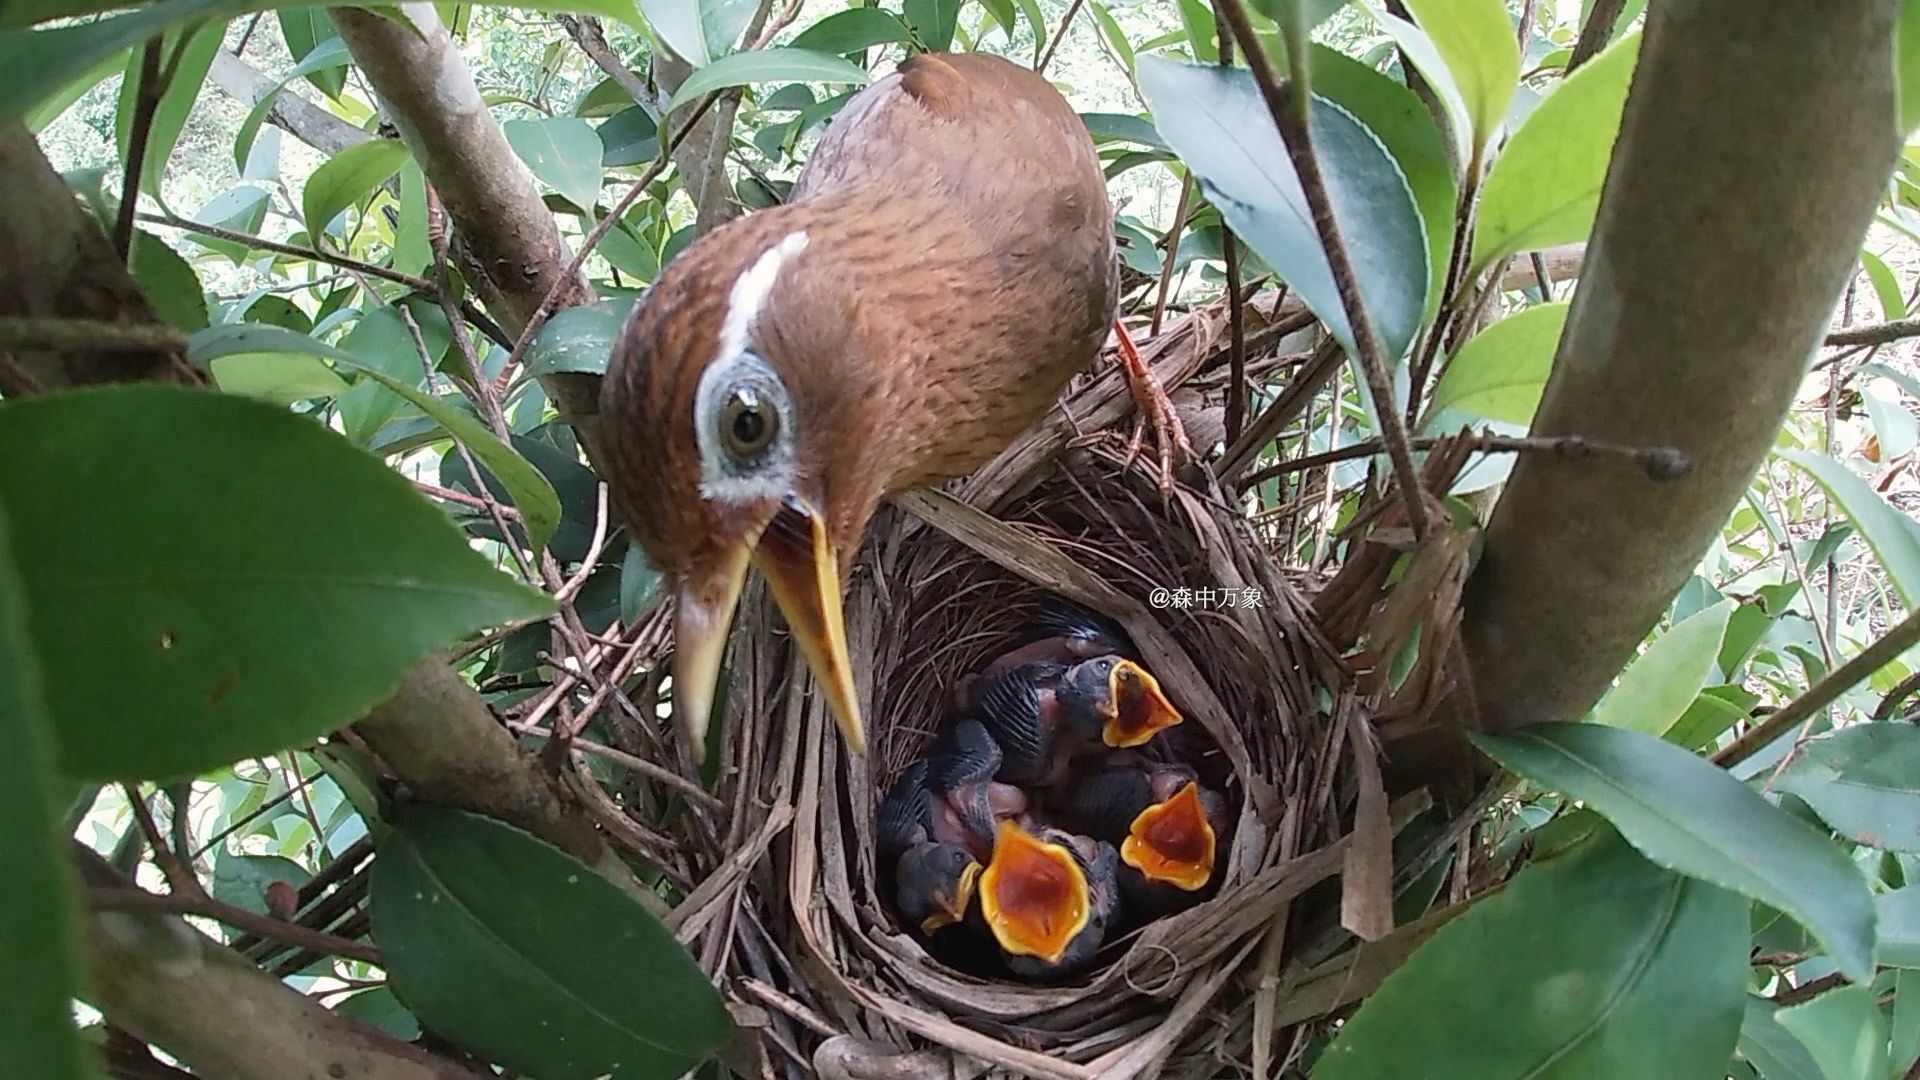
x=1156 y=409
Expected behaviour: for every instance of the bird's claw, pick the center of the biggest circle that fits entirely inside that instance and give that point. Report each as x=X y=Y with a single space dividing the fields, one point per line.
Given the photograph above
x=1156 y=412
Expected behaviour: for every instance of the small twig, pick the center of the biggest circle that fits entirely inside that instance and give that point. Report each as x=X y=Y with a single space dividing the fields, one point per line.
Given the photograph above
x=1289 y=105
x=179 y=875
x=692 y=790
x=1595 y=33
x=56 y=334
x=124 y=898
x=1173 y=252
x=1058 y=36
x=1870 y=659
x=1659 y=462
x=1807 y=991
x=779 y=22
x=146 y=100
x=1822 y=630
x=304 y=803
x=1897 y=697
x=464 y=499
x=1237 y=336
x=1875 y=333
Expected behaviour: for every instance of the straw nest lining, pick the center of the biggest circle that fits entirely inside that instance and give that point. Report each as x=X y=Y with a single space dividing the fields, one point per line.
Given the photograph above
x=943 y=579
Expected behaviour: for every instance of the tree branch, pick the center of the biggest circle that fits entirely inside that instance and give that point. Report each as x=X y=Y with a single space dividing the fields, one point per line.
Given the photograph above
x=1691 y=328
x=289 y=112
x=1875 y=333
x=1595 y=32
x=130 y=899
x=1823 y=693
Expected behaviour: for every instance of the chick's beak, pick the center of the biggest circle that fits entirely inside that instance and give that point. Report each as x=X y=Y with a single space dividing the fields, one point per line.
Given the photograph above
x=952 y=909
x=1140 y=709
x=802 y=569
x=1172 y=841
x=1034 y=895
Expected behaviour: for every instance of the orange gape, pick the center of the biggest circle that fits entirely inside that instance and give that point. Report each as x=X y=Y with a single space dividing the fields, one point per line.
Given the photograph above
x=1172 y=841
x=945 y=264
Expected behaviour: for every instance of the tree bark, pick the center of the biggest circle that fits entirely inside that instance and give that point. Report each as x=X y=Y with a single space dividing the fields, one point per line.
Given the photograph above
x=290 y=112
x=1757 y=138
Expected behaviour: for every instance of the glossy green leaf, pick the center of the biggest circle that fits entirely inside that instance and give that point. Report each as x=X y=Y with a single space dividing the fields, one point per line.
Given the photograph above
x=1203 y=35
x=1690 y=816
x=1501 y=371
x=381 y=341
x=37 y=935
x=283 y=584
x=1905 y=1048
x=307 y=29
x=852 y=30
x=243 y=880
x=1475 y=39
x=346 y=178
x=639 y=584
x=1906 y=52
x=1593 y=963
x=1419 y=49
x=563 y=151
x=1899 y=927
x=1545 y=185
x=1886 y=287
x=1893 y=536
x=1771 y=1049
x=767 y=65
x=1038 y=23
x=577 y=339
x=50 y=108
x=412 y=248
x=190 y=62
x=241 y=208
x=328 y=58
x=1003 y=15
x=275 y=377
x=521 y=953
x=1105 y=127
x=169 y=282
x=1111 y=33
x=1216 y=120
x=1844 y=1030
x=1660 y=684
x=933 y=22
x=1405 y=126
x=1709 y=717
x=531 y=494
x=629 y=137
x=1864 y=780
x=1893 y=425
x=701 y=31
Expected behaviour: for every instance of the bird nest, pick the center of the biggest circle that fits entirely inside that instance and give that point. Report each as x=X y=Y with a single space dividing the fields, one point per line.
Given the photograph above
x=1287 y=690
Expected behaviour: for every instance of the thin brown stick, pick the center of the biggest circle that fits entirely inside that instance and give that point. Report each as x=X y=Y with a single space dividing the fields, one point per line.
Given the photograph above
x=1595 y=32
x=1173 y=253
x=1897 y=696
x=1659 y=462
x=1869 y=660
x=179 y=875
x=1288 y=104
x=1875 y=333
x=146 y=100
x=1058 y=36
x=118 y=898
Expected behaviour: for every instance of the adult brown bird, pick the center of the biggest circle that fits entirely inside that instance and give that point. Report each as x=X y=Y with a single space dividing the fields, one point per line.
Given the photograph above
x=945 y=264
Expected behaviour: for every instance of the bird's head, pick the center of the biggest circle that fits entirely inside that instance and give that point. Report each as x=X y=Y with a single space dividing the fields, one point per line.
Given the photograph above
x=726 y=450
x=1173 y=841
x=1124 y=698
x=935 y=885
x=1034 y=893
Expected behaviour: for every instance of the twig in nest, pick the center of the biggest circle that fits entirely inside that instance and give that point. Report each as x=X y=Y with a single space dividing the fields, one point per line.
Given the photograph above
x=1659 y=462
x=1289 y=105
x=121 y=898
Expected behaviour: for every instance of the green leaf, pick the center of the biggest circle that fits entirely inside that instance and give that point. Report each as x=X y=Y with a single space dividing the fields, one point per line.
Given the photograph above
x=532 y=496
x=1892 y=423
x=1203 y=35
x=1031 y=9
x=1003 y=16
x=346 y=178
x=1886 y=287
x=639 y=584
x=1215 y=118
x=280 y=379
x=1405 y=126
x=195 y=57
x=1476 y=40
x=1690 y=816
x=53 y=107
x=326 y=58
x=412 y=249
x=1844 y=1030
x=241 y=208
x=1892 y=535
x=1906 y=51
x=381 y=341
x=629 y=137
x=1105 y=127
x=37 y=935
x=1594 y=963
x=169 y=282
x=933 y=22
x=378 y=1006
x=283 y=583
x=524 y=955
x=304 y=30
x=1709 y=717
x=852 y=30
x=1863 y=780
x=766 y=65
x=564 y=151
x=1545 y=186
x=1500 y=372
x=701 y=31
x=1899 y=913
x=1772 y=1049
x=577 y=339
x=1905 y=1048
x=1110 y=31
x=1661 y=684
x=242 y=880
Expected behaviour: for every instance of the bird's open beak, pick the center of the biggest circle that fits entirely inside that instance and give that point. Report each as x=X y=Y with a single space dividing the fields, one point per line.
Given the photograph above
x=953 y=908
x=802 y=568
x=1034 y=895
x=1172 y=841
x=1140 y=710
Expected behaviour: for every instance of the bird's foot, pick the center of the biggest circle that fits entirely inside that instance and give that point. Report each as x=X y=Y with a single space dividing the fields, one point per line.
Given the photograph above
x=1156 y=412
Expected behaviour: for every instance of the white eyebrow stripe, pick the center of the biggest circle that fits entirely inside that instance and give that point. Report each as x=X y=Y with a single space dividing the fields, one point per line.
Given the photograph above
x=750 y=293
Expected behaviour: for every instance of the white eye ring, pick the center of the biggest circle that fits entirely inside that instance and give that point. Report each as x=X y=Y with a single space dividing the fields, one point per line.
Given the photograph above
x=743 y=426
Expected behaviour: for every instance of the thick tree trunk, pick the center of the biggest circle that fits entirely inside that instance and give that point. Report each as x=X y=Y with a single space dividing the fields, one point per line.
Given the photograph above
x=1756 y=141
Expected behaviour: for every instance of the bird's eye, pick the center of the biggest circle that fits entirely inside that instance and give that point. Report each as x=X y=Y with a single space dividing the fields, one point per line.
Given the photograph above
x=748 y=423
